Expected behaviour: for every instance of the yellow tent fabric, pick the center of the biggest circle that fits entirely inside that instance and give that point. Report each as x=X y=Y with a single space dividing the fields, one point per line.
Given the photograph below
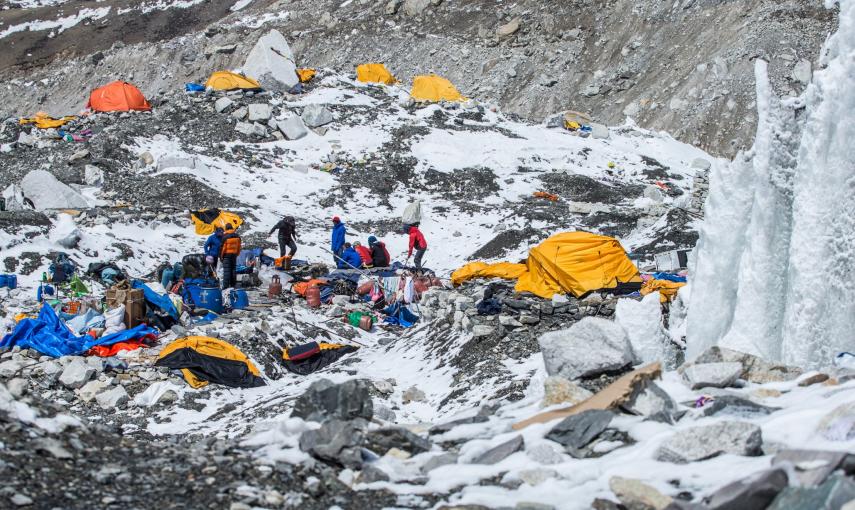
x=434 y=88
x=506 y=270
x=210 y=347
x=374 y=73
x=226 y=80
x=576 y=263
x=45 y=121
x=206 y=228
x=667 y=289
x=570 y=262
x=306 y=74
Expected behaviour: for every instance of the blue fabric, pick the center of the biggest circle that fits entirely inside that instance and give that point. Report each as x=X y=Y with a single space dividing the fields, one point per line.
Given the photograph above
x=338 y=233
x=83 y=323
x=490 y=306
x=327 y=293
x=213 y=244
x=670 y=277
x=194 y=87
x=350 y=259
x=400 y=315
x=341 y=275
x=49 y=336
x=154 y=299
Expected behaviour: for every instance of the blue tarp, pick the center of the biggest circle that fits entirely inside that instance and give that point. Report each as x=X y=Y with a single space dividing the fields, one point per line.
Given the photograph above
x=48 y=335
x=670 y=277
x=400 y=315
x=194 y=87
x=163 y=303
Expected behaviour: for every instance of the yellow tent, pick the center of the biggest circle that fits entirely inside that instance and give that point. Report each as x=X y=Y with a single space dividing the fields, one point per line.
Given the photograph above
x=570 y=262
x=204 y=360
x=667 y=289
x=434 y=88
x=306 y=74
x=506 y=270
x=374 y=73
x=207 y=220
x=225 y=80
x=45 y=121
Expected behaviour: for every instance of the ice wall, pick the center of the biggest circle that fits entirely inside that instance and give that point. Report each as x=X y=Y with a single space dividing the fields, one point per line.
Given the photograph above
x=775 y=267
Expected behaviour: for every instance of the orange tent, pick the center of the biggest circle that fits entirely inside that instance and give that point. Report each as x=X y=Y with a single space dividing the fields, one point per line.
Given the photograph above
x=118 y=96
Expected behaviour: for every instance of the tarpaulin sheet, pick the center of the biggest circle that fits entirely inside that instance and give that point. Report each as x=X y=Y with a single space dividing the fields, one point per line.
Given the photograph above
x=48 y=335
x=162 y=302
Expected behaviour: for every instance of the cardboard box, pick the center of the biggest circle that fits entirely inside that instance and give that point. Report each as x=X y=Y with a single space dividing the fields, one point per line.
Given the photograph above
x=134 y=301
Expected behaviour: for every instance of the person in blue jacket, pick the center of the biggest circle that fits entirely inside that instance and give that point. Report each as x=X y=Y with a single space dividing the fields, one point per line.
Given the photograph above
x=338 y=233
x=212 y=249
x=350 y=258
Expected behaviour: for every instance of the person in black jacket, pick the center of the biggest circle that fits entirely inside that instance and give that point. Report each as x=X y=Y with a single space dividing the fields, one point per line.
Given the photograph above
x=287 y=235
x=379 y=253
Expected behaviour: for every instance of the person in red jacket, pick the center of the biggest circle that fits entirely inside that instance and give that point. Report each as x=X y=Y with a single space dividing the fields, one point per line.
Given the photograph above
x=364 y=253
x=417 y=242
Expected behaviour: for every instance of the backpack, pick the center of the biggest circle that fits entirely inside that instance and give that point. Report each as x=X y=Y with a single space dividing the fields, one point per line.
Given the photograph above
x=231 y=245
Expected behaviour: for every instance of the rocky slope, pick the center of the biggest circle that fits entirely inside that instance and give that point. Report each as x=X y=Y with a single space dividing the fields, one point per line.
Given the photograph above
x=683 y=67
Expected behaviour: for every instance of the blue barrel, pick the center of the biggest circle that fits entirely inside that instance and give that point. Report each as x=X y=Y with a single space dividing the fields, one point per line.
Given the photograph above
x=8 y=280
x=209 y=298
x=4 y=279
x=239 y=299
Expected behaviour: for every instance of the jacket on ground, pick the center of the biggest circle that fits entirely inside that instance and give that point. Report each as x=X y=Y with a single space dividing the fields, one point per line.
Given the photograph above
x=338 y=233
x=417 y=240
x=350 y=260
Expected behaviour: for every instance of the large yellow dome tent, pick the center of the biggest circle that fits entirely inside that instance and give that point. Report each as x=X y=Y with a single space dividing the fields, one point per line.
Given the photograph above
x=434 y=88
x=570 y=262
x=374 y=73
x=226 y=80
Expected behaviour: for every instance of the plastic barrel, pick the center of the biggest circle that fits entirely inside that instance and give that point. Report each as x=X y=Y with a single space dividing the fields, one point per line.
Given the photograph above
x=239 y=299
x=4 y=280
x=13 y=281
x=209 y=298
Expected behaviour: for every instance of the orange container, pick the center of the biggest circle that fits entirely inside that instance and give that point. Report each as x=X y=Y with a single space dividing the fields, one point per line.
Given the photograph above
x=313 y=296
x=275 y=287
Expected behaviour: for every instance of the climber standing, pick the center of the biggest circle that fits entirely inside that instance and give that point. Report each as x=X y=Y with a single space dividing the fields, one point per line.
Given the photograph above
x=287 y=227
x=417 y=242
x=228 y=254
x=339 y=232
x=212 y=250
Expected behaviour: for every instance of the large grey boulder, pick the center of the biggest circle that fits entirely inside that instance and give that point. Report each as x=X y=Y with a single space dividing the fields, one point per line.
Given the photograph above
x=756 y=491
x=651 y=401
x=112 y=398
x=754 y=369
x=707 y=441
x=813 y=467
x=336 y=442
x=11 y=368
x=839 y=424
x=326 y=400
x=46 y=192
x=292 y=127
x=251 y=129
x=384 y=439
x=93 y=176
x=599 y=131
x=578 y=430
x=501 y=452
x=637 y=495
x=271 y=62
x=734 y=405
x=415 y=7
x=316 y=115
x=222 y=104
x=76 y=374
x=259 y=111
x=590 y=347
x=712 y=375
x=831 y=495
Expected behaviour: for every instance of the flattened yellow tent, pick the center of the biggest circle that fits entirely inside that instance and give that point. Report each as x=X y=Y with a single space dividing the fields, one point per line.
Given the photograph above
x=226 y=80
x=204 y=360
x=506 y=270
x=45 y=121
x=576 y=262
x=207 y=220
x=570 y=262
x=374 y=73
x=306 y=74
x=434 y=88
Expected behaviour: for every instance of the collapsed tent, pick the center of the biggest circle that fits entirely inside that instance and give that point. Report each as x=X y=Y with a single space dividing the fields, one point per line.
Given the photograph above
x=43 y=121
x=118 y=96
x=434 y=88
x=226 y=80
x=306 y=74
x=204 y=360
x=308 y=358
x=48 y=335
x=570 y=262
x=374 y=73
x=157 y=301
x=667 y=289
x=208 y=220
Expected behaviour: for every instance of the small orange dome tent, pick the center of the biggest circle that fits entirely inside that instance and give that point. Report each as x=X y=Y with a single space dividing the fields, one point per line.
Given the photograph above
x=118 y=96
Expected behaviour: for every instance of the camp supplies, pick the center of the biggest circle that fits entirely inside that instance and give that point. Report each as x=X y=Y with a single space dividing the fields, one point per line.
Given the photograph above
x=360 y=320
x=275 y=287
x=8 y=280
x=239 y=299
x=310 y=360
x=304 y=351
x=313 y=296
x=133 y=301
x=209 y=297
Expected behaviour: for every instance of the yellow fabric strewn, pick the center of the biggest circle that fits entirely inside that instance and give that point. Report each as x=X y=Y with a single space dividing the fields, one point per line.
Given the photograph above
x=306 y=74
x=506 y=270
x=667 y=289
x=374 y=73
x=226 y=80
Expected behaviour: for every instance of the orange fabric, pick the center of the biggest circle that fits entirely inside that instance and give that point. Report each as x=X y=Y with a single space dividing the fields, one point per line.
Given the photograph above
x=105 y=351
x=548 y=196
x=231 y=244
x=301 y=287
x=118 y=96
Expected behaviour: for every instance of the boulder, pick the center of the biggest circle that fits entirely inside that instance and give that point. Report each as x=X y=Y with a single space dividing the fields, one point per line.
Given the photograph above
x=239 y=113
x=71 y=240
x=756 y=491
x=651 y=401
x=292 y=127
x=93 y=176
x=271 y=62
x=802 y=71
x=413 y=394
x=577 y=431
x=392 y=7
x=112 y=398
x=13 y=198
x=415 y=7
x=637 y=495
x=443 y=459
x=754 y=369
x=46 y=192
x=336 y=442
x=558 y=390
x=76 y=374
x=482 y=330
x=222 y=104
x=839 y=424
x=707 y=441
x=11 y=368
x=259 y=111
x=326 y=400
x=736 y=406
x=599 y=131
x=316 y=115
x=712 y=375
x=91 y=389
x=371 y=473
x=590 y=347
x=501 y=452
x=508 y=29
x=831 y=495
x=251 y=129
x=509 y=322
x=813 y=467
x=381 y=440
x=545 y=454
